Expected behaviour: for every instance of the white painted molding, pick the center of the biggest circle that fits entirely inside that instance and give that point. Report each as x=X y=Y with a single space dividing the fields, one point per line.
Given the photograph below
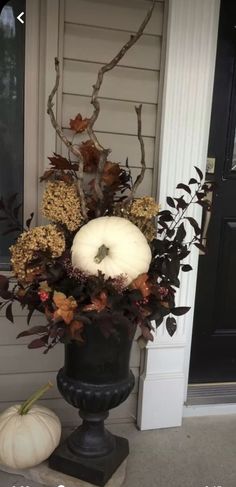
x=49 y=31
x=31 y=125
x=186 y=108
x=51 y=41
x=61 y=26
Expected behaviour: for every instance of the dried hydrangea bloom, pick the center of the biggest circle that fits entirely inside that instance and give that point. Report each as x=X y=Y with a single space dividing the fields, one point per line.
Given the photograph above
x=61 y=204
x=145 y=207
x=147 y=227
x=39 y=239
x=141 y=212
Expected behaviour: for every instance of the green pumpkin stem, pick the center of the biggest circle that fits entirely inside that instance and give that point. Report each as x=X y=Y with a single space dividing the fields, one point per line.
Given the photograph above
x=102 y=253
x=26 y=406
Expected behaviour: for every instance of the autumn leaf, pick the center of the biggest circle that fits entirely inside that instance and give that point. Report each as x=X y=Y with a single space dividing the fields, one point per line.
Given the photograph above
x=33 y=331
x=141 y=283
x=111 y=174
x=181 y=310
x=66 y=177
x=39 y=342
x=90 y=155
x=46 y=175
x=98 y=303
x=61 y=163
x=9 y=314
x=171 y=325
x=79 y=124
x=65 y=307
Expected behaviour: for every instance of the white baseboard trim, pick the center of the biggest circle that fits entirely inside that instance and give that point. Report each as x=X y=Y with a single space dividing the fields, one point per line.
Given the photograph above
x=159 y=392
x=208 y=410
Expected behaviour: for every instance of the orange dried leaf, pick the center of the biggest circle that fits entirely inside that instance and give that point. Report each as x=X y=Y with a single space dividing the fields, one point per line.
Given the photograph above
x=65 y=307
x=111 y=173
x=97 y=304
x=141 y=283
x=90 y=155
x=79 y=124
x=59 y=299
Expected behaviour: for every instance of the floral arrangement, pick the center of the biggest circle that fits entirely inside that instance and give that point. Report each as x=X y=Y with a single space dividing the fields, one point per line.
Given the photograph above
x=66 y=271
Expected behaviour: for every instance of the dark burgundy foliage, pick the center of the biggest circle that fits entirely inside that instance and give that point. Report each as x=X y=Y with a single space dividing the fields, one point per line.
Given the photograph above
x=171 y=325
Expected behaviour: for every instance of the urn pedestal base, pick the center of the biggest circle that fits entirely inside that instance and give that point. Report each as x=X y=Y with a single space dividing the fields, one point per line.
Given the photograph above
x=92 y=453
x=95 y=470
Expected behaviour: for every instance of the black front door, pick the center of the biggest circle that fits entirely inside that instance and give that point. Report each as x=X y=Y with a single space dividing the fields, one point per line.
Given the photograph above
x=213 y=355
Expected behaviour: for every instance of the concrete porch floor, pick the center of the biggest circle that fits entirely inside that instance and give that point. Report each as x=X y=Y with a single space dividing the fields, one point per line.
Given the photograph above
x=200 y=454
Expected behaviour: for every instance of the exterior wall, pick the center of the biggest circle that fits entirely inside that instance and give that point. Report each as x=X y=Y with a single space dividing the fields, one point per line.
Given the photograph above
x=83 y=34
x=94 y=31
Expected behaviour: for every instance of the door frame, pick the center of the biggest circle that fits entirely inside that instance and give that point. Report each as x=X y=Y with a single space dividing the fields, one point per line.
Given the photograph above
x=192 y=30
x=31 y=106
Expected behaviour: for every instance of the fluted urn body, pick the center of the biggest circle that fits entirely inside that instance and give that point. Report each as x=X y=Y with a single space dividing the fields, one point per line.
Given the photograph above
x=96 y=377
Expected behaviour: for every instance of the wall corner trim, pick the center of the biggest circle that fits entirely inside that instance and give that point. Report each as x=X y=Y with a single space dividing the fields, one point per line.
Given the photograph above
x=192 y=29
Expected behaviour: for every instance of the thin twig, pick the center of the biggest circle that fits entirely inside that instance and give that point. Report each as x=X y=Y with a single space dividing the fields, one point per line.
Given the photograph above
x=140 y=177
x=95 y=140
x=99 y=173
x=107 y=67
x=104 y=153
x=96 y=104
x=72 y=147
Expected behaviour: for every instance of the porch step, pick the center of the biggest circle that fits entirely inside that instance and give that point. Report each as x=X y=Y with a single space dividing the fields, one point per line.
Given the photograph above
x=217 y=393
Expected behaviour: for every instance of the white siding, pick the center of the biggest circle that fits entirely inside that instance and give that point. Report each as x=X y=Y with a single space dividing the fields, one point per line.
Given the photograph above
x=91 y=32
x=94 y=31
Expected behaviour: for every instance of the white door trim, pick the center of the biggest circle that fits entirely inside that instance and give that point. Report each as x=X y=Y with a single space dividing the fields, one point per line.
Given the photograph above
x=41 y=47
x=49 y=48
x=31 y=105
x=186 y=108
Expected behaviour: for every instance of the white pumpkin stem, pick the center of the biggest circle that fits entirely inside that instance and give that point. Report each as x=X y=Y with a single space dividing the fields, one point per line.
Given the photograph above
x=102 y=253
x=26 y=406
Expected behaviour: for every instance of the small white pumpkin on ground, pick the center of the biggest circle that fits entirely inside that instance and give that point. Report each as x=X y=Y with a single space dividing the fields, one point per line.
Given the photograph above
x=112 y=245
x=29 y=433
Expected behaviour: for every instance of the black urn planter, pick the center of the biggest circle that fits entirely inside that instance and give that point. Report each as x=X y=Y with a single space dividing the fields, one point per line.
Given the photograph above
x=95 y=378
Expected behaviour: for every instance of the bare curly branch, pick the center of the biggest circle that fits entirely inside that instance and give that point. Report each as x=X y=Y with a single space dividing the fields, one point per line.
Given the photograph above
x=140 y=177
x=107 y=67
x=72 y=147
x=96 y=104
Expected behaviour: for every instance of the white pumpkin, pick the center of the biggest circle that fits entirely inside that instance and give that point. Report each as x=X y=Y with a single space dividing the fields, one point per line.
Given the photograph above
x=112 y=245
x=29 y=433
